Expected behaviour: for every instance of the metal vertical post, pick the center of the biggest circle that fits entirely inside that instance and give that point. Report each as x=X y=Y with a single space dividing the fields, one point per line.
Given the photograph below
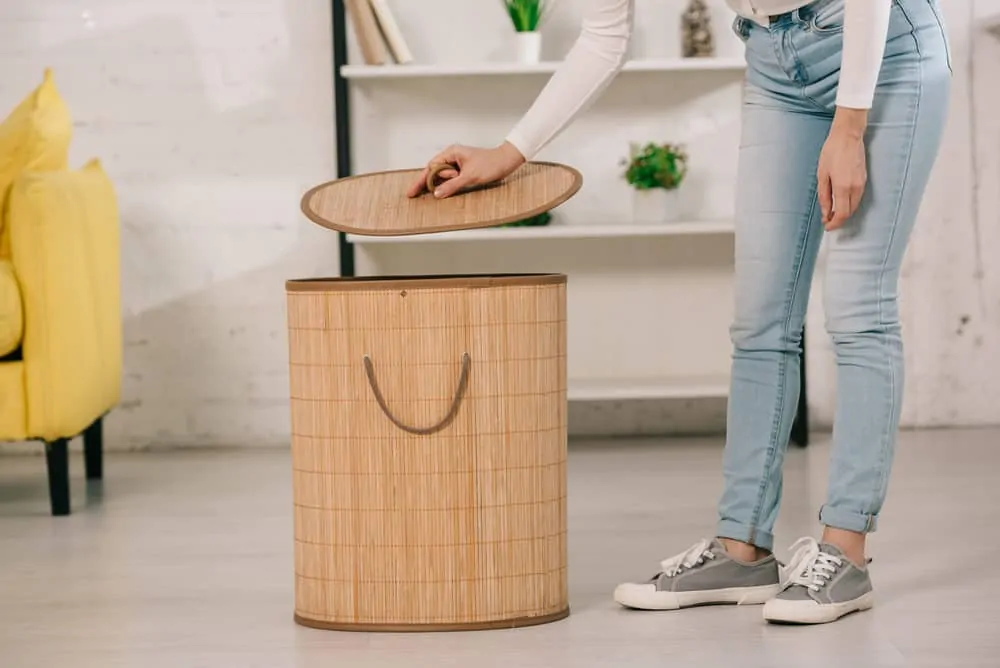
x=342 y=120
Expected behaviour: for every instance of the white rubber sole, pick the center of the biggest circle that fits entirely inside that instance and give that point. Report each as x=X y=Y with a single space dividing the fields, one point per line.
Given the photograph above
x=645 y=596
x=811 y=612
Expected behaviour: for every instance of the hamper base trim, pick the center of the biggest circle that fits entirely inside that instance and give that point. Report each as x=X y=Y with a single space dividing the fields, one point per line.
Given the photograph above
x=519 y=622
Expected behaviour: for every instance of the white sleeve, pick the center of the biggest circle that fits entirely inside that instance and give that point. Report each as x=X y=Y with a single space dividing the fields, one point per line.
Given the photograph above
x=866 y=27
x=596 y=57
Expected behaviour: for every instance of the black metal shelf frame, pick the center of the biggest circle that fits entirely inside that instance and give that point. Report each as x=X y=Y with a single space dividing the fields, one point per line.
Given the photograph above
x=342 y=120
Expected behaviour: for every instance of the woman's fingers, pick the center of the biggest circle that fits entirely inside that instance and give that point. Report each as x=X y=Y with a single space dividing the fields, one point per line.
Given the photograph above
x=453 y=155
x=846 y=200
x=842 y=208
x=419 y=184
x=461 y=180
x=825 y=192
x=841 y=178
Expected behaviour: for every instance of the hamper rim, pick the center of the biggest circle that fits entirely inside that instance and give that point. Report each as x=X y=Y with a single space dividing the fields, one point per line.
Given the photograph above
x=308 y=212
x=430 y=281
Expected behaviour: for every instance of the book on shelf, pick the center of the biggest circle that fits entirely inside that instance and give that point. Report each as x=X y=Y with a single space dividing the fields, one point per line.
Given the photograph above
x=391 y=33
x=367 y=31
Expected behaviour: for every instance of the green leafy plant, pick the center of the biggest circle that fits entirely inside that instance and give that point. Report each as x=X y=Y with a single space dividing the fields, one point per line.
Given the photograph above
x=526 y=15
x=541 y=219
x=656 y=166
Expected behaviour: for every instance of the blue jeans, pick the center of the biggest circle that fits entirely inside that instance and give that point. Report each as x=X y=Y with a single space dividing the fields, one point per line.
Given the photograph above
x=789 y=101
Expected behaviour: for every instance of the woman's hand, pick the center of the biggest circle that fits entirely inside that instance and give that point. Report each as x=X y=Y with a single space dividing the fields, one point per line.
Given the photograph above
x=475 y=167
x=842 y=172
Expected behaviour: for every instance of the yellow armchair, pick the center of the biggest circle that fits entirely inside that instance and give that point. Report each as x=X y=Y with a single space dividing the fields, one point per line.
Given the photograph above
x=60 y=309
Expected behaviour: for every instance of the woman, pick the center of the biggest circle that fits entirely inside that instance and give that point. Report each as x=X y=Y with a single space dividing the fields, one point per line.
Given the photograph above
x=843 y=111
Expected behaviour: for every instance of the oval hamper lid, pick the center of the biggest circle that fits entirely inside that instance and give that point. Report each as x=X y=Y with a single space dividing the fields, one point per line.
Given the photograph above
x=376 y=204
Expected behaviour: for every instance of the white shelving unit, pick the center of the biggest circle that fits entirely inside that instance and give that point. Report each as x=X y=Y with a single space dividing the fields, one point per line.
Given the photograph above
x=556 y=231
x=631 y=389
x=602 y=283
x=619 y=388
x=515 y=69
x=648 y=306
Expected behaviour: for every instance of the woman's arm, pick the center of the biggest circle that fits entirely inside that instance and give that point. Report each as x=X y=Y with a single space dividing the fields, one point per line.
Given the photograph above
x=866 y=26
x=842 y=173
x=591 y=64
x=595 y=59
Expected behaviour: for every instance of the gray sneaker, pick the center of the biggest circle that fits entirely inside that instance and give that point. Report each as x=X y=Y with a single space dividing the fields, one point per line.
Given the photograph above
x=821 y=586
x=703 y=575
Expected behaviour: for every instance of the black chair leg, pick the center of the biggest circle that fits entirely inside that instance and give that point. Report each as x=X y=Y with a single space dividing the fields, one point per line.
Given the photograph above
x=57 y=460
x=93 y=450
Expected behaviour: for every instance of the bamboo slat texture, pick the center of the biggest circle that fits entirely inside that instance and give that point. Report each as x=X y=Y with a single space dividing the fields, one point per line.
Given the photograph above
x=376 y=204
x=429 y=451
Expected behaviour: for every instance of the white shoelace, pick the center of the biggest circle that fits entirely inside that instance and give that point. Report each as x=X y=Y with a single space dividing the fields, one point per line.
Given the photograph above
x=695 y=556
x=810 y=567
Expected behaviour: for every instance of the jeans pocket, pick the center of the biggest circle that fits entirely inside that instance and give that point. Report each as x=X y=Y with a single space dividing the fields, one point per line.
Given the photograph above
x=741 y=27
x=825 y=17
x=944 y=32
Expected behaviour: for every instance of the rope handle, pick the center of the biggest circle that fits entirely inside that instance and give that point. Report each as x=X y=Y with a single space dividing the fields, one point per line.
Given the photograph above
x=463 y=382
x=434 y=171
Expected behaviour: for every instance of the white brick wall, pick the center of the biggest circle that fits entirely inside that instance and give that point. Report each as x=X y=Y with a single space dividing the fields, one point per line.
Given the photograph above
x=213 y=116
x=950 y=303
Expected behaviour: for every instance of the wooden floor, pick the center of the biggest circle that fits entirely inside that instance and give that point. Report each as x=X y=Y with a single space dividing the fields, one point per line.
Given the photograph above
x=183 y=560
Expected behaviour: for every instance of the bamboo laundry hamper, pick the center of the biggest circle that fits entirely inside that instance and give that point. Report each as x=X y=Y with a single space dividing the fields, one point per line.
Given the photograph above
x=428 y=419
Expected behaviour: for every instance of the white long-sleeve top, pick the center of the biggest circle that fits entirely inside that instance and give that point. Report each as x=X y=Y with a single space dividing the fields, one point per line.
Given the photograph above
x=600 y=50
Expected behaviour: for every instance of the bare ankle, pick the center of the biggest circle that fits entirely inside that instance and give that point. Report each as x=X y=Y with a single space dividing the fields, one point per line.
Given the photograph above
x=743 y=551
x=851 y=543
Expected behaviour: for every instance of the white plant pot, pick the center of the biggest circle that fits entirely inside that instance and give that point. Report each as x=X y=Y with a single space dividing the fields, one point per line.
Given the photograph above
x=529 y=47
x=655 y=205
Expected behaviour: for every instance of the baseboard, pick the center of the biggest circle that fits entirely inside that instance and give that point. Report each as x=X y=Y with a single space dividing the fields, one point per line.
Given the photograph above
x=681 y=417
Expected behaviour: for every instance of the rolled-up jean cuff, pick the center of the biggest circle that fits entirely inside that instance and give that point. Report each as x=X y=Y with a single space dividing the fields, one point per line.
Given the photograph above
x=745 y=534
x=848 y=520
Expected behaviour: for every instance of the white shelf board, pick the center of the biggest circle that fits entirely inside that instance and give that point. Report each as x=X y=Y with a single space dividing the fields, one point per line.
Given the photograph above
x=557 y=231
x=547 y=67
x=623 y=389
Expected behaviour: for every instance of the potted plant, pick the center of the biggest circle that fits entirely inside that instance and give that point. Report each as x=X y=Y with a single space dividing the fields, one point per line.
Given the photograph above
x=540 y=220
x=527 y=15
x=655 y=172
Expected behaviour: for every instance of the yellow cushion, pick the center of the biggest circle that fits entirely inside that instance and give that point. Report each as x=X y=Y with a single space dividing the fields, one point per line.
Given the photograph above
x=64 y=240
x=37 y=133
x=12 y=412
x=11 y=315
